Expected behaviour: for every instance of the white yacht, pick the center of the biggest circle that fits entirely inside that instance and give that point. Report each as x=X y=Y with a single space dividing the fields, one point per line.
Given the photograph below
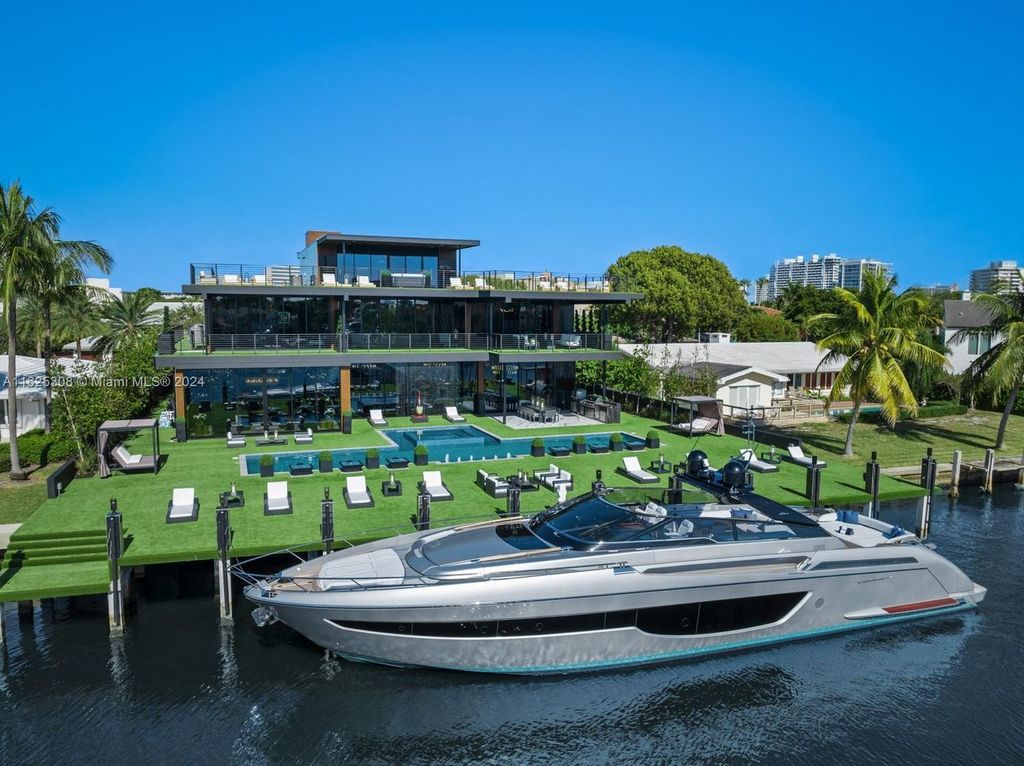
x=615 y=577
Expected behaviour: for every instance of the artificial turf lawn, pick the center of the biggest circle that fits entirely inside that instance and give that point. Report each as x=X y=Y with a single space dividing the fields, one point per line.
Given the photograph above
x=210 y=467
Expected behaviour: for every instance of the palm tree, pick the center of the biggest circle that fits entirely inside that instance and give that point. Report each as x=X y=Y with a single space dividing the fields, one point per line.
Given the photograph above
x=745 y=287
x=24 y=236
x=75 y=317
x=1001 y=368
x=760 y=284
x=875 y=331
x=30 y=323
x=126 y=318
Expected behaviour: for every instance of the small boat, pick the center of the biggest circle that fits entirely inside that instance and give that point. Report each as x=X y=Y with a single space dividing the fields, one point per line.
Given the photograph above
x=613 y=578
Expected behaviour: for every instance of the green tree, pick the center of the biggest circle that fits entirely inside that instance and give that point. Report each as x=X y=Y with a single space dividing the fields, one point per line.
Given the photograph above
x=188 y=314
x=75 y=317
x=758 y=325
x=760 y=283
x=874 y=333
x=126 y=318
x=1000 y=370
x=683 y=292
x=801 y=302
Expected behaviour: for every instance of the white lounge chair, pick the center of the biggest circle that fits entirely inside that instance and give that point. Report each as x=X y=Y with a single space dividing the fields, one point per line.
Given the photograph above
x=183 y=506
x=631 y=468
x=481 y=284
x=436 y=488
x=562 y=284
x=543 y=284
x=356 y=494
x=277 y=500
x=451 y=414
x=553 y=479
x=698 y=425
x=328 y=280
x=362 y=281
x=235 y=441
x=796 y=455
x=377 y=418
x=304 y=438
x=231 y=279
x=455 y=283
x=130 y=463
x=755 y=464
x=491 y=483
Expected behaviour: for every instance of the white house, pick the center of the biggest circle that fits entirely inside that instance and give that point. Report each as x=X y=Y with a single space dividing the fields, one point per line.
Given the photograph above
x=742 y=386
x=31 y=390
x=971 y=316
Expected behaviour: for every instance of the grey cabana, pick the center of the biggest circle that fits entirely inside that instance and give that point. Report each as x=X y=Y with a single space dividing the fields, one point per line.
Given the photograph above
x=120 y=457
x=705 y=415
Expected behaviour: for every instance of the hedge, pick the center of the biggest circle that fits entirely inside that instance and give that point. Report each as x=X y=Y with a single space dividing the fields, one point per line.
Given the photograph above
x=933 y=410
x=37 y=448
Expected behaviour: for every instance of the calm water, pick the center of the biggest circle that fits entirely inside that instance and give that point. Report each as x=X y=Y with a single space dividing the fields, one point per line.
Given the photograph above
x=179 y=689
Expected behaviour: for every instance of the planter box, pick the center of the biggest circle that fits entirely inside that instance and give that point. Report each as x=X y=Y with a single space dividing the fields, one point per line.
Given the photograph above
x=266 y=471
x=580 y=449
x=653 y=443
x=420 y=459
x=372 y=462
x=615 y=446
x=326 y=466
x=536 y=451
x=346 y=424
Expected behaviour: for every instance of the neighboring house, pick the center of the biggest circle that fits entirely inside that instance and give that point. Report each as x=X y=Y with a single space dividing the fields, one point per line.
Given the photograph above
x=971 y=316
x=798 y=361
x=31 y=391
x=742 y=386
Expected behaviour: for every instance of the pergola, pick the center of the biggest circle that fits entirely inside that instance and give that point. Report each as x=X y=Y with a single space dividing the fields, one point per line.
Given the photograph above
x=124 y=426
x=706 y=407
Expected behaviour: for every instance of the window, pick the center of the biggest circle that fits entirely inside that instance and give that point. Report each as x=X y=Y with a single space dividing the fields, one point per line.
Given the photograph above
x=972 y=344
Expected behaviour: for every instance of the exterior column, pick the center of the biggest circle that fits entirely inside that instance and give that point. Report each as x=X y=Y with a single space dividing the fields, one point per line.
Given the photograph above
x=179 y=393
x=346 y=389
x=481 y=373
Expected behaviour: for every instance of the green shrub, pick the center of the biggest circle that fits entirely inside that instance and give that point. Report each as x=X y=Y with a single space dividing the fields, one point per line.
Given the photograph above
x=325 y=457
x=38 y=448
x=931 y=410
x=374 y=452
x=579 y=439
x=266 y=461
x=5 y=458
x=537 y=442
x=615 y=438
x=653 y=436
x=421 y=449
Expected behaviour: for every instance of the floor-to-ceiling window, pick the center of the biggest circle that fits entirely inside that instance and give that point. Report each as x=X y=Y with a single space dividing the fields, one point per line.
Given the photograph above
x=398 y=388
x=262 y=314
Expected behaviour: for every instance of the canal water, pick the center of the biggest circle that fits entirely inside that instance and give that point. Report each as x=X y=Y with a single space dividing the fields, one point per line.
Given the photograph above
x=180 y=689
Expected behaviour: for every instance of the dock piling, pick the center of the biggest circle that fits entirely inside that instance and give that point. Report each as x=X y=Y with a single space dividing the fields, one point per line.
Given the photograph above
x=990 y=471
x=115 y=589
x=872 y=477
x=327 y=521
x=812 y=489
x=512 y=502
x=422 y=509
x=929 y=473
x=222 y=566
x=954 y=481
x=3 y=624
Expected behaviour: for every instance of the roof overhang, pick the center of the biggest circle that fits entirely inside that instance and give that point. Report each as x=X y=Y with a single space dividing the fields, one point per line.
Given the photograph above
x=409 y=241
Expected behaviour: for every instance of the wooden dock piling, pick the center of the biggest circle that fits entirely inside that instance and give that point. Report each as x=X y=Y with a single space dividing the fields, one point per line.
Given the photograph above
x=222 y=566
x=990 y=470
x=115 y=587
x=3 y=624
x=954 y=480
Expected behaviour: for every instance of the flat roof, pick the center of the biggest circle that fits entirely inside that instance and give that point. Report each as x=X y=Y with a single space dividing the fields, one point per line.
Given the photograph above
x=371 y=238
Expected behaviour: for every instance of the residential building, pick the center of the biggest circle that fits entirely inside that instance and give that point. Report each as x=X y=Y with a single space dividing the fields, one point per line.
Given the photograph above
x=1008 y=272
x=31 y=390
x=373 y=322
x=741 y=386
x=821 y=272
x=940 y=289
x=972 y=317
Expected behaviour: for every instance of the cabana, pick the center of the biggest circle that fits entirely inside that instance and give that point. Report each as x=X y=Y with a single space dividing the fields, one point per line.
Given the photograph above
x=120 y=457
x=705 y=415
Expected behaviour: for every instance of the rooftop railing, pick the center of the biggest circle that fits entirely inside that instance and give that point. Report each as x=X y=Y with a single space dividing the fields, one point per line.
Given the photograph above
x=244 y=275
x=175 y=342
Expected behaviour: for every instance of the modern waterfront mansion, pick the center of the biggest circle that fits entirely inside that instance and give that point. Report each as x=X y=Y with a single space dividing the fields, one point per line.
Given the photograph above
x=389 y=323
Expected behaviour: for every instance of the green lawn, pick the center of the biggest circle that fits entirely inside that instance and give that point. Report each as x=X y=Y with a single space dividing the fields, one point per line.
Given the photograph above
x=18 y=500
x=907 y=443
x=210 y=467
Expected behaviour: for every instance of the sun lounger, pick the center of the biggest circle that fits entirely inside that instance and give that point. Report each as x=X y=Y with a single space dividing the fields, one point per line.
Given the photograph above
x=455 y=283
x=452 y=415
x=235 y=441
x=328 y=280
x=491 y=483
x=231 y=279
x=362 y=281
x=356 y=494
x=183 y=506
x=631 y=468
x=796 y=455
x=304 y=438
x=277 y=500
x=481 y=284
x=755 y=464
x=130 y=463
x=377 y=418
x=697 y=426
x=434 y=487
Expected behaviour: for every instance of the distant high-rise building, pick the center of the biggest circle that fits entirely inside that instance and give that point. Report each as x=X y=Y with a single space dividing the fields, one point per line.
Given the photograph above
x=821 y=272
x=1004 y=271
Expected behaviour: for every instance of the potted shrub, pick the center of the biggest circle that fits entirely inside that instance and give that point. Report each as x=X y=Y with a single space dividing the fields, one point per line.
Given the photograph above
x=579 y=444
x=615 y=442
x=326 y=462
x=420 y=454
x=537 y=447
x=267 y=466
x=373 y=458
x=653 y=440
x=346 y=422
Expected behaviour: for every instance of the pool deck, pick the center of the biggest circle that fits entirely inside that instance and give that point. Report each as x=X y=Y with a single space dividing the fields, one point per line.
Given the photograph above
x=60 y=550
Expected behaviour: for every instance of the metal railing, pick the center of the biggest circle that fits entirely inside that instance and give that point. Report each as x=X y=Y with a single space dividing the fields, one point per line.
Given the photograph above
x=175 y=342
x=252 y=275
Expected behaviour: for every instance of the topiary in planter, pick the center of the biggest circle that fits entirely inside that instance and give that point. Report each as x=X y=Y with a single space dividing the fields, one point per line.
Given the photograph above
x=419 y=454
x=579 y=445
x=346 y=422
x=373 y=458
x=326 y=462
x=615 y=442
x=266 y=466
x=537 y=447
x=653 y=440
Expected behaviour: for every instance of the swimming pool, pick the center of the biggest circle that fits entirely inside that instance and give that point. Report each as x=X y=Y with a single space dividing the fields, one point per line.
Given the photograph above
x=445 y=444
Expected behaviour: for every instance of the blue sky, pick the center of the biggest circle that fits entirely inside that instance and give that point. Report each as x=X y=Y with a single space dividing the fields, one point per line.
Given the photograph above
x=562 y=137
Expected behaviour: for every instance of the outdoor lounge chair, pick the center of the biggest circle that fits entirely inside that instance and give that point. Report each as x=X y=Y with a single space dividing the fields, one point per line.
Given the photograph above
x=304 y=438
x=451 y=414
x=697 y=426
x=362 y=281
x=434 y=487
x=552 y=479
x=356 y=494
x=183 y=506
x=235 y=441
x=570 y=341
x=631 y=468
x=130 y=463
x=480 y=283
x=541 y=474
x=491 y=483
x=277 y=500
x=796 y=455
x=455 y=283
x=328 y=280
x=754 y=464
x=231 y=279
x=377 y=418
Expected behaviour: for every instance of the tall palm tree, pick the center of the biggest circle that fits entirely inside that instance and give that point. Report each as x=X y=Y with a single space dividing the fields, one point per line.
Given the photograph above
x=759 y=284
x=24 y=236
x=31 y=329
x=126 y=318
x=75 y=317
x=1000 y=370
x=745 y=287
x=875 y=331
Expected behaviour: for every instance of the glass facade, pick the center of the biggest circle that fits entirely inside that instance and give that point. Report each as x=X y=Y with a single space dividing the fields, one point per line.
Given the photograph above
x=354 y=259
x=553 y=382
x=251 y=400
x=397 y=388
x=405 y=315
x=261 y=314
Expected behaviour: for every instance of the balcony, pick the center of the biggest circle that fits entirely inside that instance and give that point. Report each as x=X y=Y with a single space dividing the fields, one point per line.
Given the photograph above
x=176 y=343
x=243 y=275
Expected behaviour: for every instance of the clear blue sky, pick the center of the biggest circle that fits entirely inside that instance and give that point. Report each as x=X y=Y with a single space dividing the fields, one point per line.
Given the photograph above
x=562 y=137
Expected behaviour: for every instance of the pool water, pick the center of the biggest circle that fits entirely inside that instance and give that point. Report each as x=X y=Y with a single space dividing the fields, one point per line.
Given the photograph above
x=451 y=444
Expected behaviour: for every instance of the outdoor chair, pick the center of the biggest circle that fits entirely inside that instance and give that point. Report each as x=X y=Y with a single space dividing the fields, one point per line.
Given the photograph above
x=362 y=281
x=183 y=506
x=434 y=487
x=631 y=468
x=235 y=441
x=697 y=426
x=451 y=414
x=231 y=279
x=328 y=280
x=277 y=500
x=491 y=483
x=542 y=474
x=377 y=418
x=455 y=283
x=570 y=341
x=755 y=464
x=796 y=455
x=356 y=493
x=304 y=438
x=130 y=463
x=555 y=477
